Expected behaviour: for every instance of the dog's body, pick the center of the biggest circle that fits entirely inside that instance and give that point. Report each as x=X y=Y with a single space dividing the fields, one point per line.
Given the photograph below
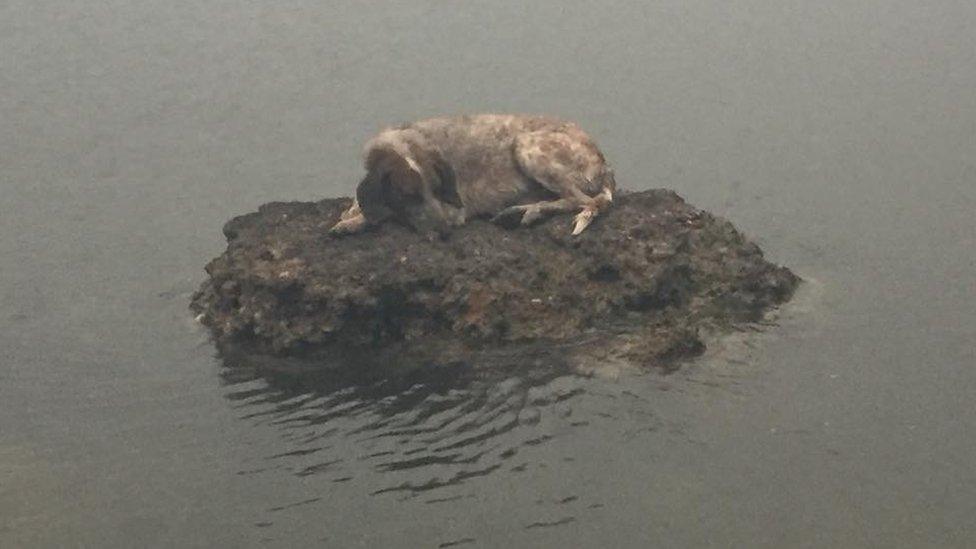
x=443 y=171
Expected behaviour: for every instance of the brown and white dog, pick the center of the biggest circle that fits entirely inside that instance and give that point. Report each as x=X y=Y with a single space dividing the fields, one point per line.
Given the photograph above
x=440 y=172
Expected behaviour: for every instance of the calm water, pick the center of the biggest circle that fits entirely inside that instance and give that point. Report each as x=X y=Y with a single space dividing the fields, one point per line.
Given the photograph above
x=841 y=135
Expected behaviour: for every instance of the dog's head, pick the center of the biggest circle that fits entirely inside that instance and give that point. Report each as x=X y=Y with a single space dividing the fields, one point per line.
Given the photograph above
x=387 y=191
x=411 y=184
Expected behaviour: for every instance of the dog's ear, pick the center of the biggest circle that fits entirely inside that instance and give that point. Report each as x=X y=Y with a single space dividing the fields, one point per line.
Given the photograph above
x=371 y=196
x=446 y=190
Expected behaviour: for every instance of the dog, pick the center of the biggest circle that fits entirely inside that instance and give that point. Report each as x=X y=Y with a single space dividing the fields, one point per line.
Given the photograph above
x=515 y=169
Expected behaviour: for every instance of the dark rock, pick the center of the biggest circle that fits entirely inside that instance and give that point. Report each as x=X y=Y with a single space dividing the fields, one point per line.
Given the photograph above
x=637 y=286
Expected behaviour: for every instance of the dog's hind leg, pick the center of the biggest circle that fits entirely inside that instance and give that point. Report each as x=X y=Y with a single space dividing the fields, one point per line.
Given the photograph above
x=567 y=164
x=527 y=214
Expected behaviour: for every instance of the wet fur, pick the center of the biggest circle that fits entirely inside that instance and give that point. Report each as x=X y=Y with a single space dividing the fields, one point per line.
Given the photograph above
x=440 y=172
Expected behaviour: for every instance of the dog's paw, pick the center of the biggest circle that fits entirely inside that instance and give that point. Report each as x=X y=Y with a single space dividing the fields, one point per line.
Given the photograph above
x=348 y=226
x=583 y=220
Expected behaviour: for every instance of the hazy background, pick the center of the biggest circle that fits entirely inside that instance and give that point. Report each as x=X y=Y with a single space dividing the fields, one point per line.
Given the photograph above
x=840 y=135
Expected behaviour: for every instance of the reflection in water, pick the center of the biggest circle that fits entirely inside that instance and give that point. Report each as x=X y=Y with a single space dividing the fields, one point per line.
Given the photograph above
x=477 y=430
x=414 y=427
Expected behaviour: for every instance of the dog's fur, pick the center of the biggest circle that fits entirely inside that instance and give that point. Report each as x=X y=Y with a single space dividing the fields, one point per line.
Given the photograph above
x=440 y=172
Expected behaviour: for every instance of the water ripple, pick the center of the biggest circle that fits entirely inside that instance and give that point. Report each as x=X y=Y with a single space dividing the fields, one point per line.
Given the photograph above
x=407 y=428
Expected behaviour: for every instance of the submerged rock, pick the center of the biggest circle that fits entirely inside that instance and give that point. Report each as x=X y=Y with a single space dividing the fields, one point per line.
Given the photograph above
x=638 y=286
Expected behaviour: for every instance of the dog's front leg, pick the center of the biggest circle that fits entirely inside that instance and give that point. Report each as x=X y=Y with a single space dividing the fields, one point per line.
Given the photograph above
x=350 y=221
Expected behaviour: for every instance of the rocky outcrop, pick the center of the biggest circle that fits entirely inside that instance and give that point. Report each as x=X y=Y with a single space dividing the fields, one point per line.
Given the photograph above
x=637 y=286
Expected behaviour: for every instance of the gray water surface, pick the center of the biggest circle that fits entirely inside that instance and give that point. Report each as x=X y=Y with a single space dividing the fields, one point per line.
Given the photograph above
x=840 y=135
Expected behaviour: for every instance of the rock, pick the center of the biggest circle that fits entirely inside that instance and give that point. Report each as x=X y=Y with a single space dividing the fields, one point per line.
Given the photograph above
x=637 y=286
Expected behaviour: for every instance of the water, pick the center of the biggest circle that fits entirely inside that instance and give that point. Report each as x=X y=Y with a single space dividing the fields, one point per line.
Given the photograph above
x=841 y=135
